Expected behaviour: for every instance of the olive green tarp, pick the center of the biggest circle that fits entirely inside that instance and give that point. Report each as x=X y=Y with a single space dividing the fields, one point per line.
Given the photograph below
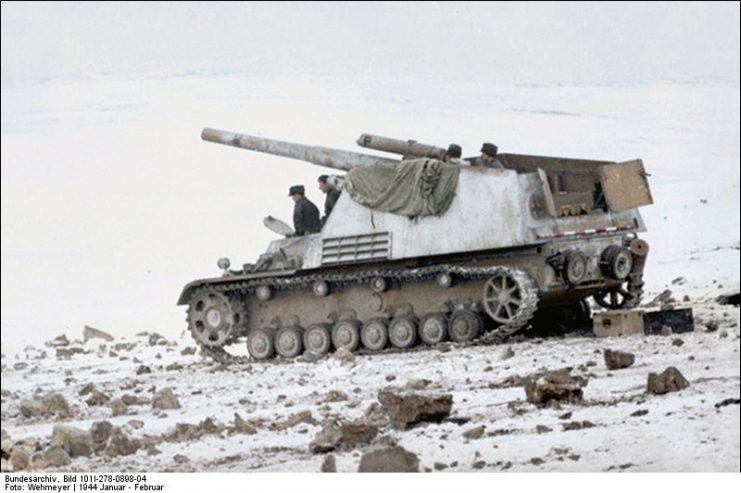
x=413 y=187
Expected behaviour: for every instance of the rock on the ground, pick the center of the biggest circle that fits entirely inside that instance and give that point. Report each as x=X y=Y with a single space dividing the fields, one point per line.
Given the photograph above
x=54 y=456
x=100 y=431
x=557 y=385
x=165 y=399
x=406 y=410
x=19 y=459
x=671 y=380
x=393 y=459
x=97 y=398
x=329 y=464
x=474 y=433
x=74 y=441
x=293 y=420
x=118 y=407
x=48 y=406
x=615 y=360
x=336 y=435
x=93 y=333
x=120 y=443
x=243 y=426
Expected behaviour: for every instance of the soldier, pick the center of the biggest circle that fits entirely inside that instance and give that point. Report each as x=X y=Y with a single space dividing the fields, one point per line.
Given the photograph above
x=488 y=157
x=332 y=195
x=305 y=213
x=453 y=155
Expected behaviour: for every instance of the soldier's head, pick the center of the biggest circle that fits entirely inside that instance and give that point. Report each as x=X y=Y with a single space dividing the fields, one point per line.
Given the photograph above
x=488 y=152
x=323 y=186
x=296 y=192
x=454 y=152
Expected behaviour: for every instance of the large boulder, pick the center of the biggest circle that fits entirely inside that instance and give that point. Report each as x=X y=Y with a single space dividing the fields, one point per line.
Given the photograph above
x=393 y=459
x=51 y=405
x=92 y=333
x=407 y=409
x=557 y=386
x=100 y=431
x=165 y=399
x=120 y=443
x=336 y=435
x=616 y=360
x=53 y=456
x=671 y=380
x=74 y=441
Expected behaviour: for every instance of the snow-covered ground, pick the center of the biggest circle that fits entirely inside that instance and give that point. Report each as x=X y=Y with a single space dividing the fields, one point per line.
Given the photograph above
x=111 y=203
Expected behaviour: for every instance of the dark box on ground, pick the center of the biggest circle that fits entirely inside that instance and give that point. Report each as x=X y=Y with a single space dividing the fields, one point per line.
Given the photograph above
x=679 y=320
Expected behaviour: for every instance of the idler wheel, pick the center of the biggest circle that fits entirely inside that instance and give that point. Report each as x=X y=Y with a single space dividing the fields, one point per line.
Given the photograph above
x=433 y=328
x=374 y=334
x=464 y=325
x=317 y=340
x=403 y=332
x=212 y=319
x=288 y=342
x=379 y=284
x=260 y=343
x=503 y=297
x=345 y=334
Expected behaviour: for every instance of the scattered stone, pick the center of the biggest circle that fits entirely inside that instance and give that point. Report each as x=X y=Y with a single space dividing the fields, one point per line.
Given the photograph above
x=19 y=459
x=100 y=431
x=143 y=370
x=174 y=367
x=156 y=340
x=540 y=429
x=393 y=459
x=479 y=464
x=640 y=412
x=336 y=435
x=537 y=461
x=48 y=406
x=474 y=433
x=615 y=360
x=86 y=389
x=188 y=351
x=135 y=423
x=243 y=426
x=723 y=334
x=556 y=386
x=328 y=465
x=577 y=425
x=53 y=456
x=344 y=356
x=727 y=402
x=335 y=396
x=729 y=299
x=663 y=299
x=67 y=353
x=711 y=326
x=124 y=346
x=134 y=400
x=97 y=398
x=181 y=459
x=686 y=298
x=165 y=399
x=410 y=409
x=92 y=333
x=120 y=443
x=417 y=383
x=507 y=353
x=21 y=365
x=439 y=466
x=58 y=341
x=74 y=441
x=679 y=281
x=390 y=378
x=566 y=415
x=293 y=420
x=671 y=380
x=677 y=342
x=118 y=407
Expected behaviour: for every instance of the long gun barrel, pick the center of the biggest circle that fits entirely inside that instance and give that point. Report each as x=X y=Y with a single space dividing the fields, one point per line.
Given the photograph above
x=321 y=156
x=407 y=148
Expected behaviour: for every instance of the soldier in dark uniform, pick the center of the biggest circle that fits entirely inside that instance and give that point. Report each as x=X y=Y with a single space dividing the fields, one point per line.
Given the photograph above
x=332 y=195
x=305 y=213
x=488 y=157
x=453 y=155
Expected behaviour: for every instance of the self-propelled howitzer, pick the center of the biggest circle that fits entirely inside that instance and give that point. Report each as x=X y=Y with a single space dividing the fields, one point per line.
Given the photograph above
x=420 y=251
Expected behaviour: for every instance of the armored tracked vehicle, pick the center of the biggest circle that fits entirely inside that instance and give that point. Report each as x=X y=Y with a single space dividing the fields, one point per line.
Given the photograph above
x=418 y=251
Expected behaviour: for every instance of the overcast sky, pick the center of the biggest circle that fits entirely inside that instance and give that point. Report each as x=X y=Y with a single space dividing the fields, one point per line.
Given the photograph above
x=492 y=41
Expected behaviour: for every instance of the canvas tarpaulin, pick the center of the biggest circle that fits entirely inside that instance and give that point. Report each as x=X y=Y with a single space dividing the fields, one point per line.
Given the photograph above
x=413 y=187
